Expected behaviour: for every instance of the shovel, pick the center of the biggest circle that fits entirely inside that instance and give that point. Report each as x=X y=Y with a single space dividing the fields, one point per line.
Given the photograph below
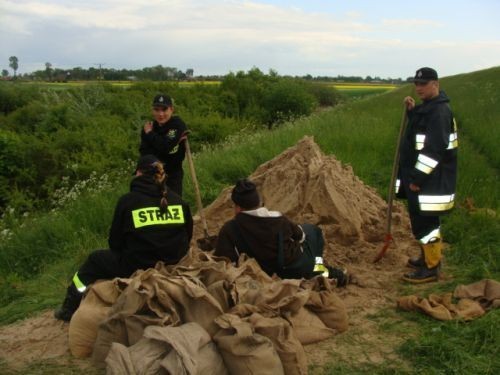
x=206 y=243
x=388 y=235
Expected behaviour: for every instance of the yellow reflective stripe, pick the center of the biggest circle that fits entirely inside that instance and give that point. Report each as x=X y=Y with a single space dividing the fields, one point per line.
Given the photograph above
x=436 y=206
x=174 y=150
x=78 y=283
x=154 y=216
x=453 y=142
x=425 y=164
x=436 y=202
x=427 y=160
x=321 y=268
x=397 y=185
x=424 y=168
x=436 y=198
x=434 y=234
x=419 y=141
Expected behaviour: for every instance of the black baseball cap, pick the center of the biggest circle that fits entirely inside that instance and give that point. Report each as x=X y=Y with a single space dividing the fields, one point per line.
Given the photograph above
x=162 y=101
x=145 y=163
x=426 y=74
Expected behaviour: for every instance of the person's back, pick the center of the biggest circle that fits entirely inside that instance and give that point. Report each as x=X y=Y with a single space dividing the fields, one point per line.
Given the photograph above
x=146 y=233
x=260 y=233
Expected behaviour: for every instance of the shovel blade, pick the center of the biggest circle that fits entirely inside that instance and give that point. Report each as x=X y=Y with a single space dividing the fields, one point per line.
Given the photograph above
x=387 y=242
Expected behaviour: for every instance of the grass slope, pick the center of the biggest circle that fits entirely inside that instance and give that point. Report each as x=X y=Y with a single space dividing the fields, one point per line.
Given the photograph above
x=39 y=259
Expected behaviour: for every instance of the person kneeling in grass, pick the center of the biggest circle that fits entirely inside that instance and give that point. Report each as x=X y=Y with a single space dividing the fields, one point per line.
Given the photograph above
x=279 y=246
x=151 y=223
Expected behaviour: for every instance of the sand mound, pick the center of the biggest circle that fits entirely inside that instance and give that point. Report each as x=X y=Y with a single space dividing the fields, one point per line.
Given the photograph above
x=307 y=186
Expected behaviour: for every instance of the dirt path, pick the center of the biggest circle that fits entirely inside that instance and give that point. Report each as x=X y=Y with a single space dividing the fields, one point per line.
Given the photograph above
x=307 y=186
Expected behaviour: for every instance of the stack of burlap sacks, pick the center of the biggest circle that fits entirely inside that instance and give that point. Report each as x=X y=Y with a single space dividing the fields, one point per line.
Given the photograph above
x=205 y=315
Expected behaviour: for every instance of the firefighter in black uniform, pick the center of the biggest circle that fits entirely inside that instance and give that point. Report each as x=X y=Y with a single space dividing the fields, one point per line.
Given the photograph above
x=428 y=171
x=151 y=223
x=279 y=246
x=163 y=138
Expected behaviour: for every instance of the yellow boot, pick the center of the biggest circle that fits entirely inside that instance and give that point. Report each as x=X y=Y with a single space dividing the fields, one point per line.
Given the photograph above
x=430 y=270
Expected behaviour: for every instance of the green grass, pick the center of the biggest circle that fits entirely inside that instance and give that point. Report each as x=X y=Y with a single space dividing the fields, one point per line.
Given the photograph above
x=362 y=133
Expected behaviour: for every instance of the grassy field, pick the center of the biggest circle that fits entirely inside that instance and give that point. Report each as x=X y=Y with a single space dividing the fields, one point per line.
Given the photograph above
x=361 y=133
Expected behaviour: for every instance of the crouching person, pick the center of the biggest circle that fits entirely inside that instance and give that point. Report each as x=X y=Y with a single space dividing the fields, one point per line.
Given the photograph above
x=279 y=246
x=151 y=223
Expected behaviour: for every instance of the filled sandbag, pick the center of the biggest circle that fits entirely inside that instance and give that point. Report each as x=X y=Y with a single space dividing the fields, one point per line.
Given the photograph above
x=244 y=351
x=93 y=310
x=281 y=334
x=186 y=349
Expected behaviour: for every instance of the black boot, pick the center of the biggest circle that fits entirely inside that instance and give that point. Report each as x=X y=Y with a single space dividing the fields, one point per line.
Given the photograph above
x=70 y=304
x=417 y=262
x=340 y=275
x=422 y=275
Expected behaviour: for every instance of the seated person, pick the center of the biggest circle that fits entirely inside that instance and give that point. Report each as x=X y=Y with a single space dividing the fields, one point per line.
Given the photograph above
x=151 y=223
x=280 y=246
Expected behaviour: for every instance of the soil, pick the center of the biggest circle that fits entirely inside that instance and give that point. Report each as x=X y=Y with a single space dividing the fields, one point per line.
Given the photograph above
x=306 y=186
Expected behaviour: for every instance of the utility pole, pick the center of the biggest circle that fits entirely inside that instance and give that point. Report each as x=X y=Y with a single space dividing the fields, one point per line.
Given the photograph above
x=100 y=70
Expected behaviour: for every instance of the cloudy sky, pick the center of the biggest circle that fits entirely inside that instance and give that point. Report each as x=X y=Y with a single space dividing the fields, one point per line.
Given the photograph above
x=317 y=37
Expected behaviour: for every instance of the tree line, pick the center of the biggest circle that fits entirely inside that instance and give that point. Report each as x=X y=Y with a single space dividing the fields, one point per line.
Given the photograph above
x=155 y=73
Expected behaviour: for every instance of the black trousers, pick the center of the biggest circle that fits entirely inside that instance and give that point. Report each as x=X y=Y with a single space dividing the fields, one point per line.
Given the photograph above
x=313 y=247
x=174 y=181
x=103 y=264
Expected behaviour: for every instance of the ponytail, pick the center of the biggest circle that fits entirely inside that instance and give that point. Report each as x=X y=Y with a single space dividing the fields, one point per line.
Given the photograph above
x=160 y=180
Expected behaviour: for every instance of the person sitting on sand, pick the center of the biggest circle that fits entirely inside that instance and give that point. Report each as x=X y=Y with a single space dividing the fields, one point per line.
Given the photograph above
x=279 y=246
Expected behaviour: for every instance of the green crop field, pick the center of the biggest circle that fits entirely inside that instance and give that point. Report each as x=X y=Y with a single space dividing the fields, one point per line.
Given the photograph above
x=361 y=133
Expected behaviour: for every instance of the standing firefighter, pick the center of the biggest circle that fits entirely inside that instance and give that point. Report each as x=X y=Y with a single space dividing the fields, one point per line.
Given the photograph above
x=428 y=171
x=150 y=224
x=163 y=138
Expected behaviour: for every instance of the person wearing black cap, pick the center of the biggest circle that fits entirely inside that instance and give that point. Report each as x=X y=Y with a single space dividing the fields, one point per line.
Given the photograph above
x=428 y=171
x=150 y=224
x=280 y=246
x=163 y=137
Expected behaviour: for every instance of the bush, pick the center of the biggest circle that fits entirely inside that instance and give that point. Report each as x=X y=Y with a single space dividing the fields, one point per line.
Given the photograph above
x=285 y=101
x=325 y=95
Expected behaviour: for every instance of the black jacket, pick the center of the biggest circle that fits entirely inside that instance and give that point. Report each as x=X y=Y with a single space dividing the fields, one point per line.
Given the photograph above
x=142 y=234
x=261 y=236
x=164 y=143
x=428 y=155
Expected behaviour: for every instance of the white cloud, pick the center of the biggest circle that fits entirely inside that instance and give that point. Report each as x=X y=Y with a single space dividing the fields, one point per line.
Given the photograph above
x=217 y=36
x=411 y=23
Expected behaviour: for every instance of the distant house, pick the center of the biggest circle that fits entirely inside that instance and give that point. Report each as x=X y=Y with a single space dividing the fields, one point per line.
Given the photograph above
x=62 y=77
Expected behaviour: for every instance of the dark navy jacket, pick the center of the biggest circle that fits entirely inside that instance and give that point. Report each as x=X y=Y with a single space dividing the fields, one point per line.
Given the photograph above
x=428 y=156
x=164 y=143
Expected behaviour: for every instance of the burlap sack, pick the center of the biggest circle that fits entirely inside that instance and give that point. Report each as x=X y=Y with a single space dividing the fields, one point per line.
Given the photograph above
x=93 y=309
x=281 y=334
x=308 y=327
x=187 y=349
x=244 y=351
x=441 y=307
x=326 y=304
x=486 y=292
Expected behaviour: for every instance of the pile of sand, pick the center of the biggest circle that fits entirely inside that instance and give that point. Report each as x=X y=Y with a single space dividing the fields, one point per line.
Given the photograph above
x=307 y=186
